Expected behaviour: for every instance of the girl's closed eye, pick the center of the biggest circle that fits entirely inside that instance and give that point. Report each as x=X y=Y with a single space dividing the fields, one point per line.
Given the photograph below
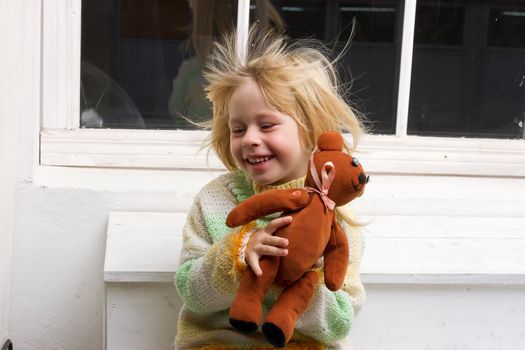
x=237 y=131
x=267 y=126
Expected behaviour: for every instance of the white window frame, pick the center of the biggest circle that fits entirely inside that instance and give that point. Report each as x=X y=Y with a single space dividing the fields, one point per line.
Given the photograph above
x=63 y=143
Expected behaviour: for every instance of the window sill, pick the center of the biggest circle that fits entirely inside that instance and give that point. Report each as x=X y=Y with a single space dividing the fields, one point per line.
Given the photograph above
x=382 y=154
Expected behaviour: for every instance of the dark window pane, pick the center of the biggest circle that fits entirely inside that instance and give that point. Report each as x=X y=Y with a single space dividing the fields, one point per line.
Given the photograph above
x=375 y=23
x=471 y=89
x=369 y=66
x=507 y=27
x=304 y=18
x=142 y=60
x=439 y=25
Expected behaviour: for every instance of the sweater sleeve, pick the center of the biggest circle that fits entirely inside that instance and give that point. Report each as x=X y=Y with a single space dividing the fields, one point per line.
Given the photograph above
x=203 y=279
x=330 y=315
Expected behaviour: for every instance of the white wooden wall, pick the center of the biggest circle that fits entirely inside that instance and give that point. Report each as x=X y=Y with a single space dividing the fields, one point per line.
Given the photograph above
x=11 y=109
x=449 y=291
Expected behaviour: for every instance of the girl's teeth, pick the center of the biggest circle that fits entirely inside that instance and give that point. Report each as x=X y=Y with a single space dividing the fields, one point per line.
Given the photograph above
x=259 y=160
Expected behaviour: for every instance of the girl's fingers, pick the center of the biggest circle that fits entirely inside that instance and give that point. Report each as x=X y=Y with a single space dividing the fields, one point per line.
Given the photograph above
x=275 y=241
x=277 y=223
x=263 y=242
x=253 y=262
x=269 y=250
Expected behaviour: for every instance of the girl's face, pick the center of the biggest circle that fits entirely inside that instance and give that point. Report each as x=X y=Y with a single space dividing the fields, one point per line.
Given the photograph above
x=264 y=142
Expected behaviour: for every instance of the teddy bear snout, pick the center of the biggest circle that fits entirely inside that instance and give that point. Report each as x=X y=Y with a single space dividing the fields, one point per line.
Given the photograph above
x=363 y=179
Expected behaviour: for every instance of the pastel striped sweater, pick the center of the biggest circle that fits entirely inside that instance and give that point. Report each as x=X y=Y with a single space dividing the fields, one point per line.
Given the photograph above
x=207 y=286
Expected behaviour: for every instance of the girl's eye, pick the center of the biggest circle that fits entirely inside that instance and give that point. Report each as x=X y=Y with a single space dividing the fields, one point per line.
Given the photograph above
x=267 y=126
x=237 y=131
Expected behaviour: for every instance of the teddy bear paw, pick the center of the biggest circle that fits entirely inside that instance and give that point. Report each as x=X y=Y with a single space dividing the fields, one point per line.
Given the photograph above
x=274 y=335
x=244 y=326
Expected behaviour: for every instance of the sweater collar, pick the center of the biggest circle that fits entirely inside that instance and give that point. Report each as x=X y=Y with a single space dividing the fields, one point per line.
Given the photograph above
x=246 y=187
x=296 y=183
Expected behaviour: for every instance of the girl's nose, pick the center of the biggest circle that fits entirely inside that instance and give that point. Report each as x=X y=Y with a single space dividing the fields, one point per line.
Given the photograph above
x=251 y=138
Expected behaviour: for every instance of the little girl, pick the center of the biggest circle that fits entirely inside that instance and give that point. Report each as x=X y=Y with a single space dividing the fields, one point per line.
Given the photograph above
x=267 y=115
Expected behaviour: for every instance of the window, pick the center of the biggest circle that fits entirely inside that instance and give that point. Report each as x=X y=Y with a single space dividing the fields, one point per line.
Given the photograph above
x=416 y=68
x=467 y=73
x=460 y=85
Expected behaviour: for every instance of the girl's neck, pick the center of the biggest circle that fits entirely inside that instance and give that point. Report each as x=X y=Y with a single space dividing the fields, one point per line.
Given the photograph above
x=296 y=183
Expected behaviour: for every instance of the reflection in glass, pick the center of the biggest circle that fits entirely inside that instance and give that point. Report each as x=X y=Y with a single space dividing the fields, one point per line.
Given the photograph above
x=468 y=77
x=210 y=20
x=368 y=68
x=153 y=53
x=506 y=27
x=138 y=46
x=103 y=102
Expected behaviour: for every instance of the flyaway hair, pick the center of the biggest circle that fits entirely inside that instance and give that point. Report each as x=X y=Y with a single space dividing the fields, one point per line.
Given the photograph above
x=297 y=79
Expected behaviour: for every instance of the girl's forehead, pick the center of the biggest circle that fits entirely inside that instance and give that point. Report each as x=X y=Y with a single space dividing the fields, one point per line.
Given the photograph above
x=247 y=97
x=247 y=84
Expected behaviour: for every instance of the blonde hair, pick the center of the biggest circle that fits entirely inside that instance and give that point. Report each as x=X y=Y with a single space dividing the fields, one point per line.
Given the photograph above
x=296 y=79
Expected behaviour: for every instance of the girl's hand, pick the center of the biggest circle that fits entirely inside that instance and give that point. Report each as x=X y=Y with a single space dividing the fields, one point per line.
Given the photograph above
x=262 y=242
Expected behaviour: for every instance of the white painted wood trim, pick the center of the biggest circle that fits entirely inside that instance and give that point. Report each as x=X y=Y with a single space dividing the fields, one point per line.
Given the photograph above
x=145 y=247
x=443 y=278
x=405 y=69
x=171 y=149
x=243 y=23
x=122 y=180
x=61 y=64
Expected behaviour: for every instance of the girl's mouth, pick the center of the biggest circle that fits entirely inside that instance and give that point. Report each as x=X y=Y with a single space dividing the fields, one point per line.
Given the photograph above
x=256 y=161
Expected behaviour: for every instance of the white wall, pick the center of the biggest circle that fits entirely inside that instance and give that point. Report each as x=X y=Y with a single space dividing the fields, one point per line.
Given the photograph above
x=10 y=110
x=57 y=300
x=441 y=317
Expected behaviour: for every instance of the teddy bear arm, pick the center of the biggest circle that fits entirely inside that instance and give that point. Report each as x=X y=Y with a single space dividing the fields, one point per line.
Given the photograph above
x=266 y=203
x=336 y=258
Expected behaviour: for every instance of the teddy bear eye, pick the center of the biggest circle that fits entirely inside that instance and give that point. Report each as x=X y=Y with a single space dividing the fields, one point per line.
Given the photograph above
x=355 y=162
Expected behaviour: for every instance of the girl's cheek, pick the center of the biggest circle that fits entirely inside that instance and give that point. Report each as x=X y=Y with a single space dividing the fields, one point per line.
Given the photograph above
x=235 y=147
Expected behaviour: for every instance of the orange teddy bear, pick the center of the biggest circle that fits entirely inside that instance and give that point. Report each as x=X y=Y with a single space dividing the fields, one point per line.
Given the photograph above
x=335 y=178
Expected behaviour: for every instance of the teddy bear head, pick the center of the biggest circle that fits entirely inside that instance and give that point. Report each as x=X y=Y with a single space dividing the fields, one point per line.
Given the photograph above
x=341 y=173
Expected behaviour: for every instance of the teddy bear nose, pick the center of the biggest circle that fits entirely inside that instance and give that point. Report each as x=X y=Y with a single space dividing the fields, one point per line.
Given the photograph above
x=363 y=179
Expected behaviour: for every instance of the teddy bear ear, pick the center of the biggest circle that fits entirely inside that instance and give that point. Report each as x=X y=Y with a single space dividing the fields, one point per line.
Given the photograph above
x=330 y=141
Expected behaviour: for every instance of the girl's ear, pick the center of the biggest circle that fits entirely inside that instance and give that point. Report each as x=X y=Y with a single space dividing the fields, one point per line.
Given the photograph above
x=330 y=141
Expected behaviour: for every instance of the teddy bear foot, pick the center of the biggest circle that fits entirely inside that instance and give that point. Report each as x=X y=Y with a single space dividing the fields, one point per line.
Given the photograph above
x=274 y=335
x=244 y=326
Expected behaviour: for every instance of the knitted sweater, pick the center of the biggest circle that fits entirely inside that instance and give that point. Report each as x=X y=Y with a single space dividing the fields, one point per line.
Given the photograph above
x=207 y=286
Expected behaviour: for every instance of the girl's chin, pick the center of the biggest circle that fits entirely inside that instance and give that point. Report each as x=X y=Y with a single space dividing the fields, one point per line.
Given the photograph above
x=268 y=180
x=264 y=179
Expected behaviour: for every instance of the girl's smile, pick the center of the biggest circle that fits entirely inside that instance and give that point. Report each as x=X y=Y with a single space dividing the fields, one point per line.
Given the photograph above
x=264 y=142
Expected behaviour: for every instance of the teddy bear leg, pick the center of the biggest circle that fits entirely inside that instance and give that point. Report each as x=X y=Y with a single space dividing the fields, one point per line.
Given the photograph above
x=280 y=321
x=246 y=308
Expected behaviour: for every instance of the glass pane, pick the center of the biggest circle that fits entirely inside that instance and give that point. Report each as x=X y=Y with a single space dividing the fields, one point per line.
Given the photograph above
x=369 y=66
x=142 y=61
x=467 y=76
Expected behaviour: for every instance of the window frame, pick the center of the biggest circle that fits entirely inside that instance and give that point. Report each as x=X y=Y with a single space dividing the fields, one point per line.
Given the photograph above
x=63 y=143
